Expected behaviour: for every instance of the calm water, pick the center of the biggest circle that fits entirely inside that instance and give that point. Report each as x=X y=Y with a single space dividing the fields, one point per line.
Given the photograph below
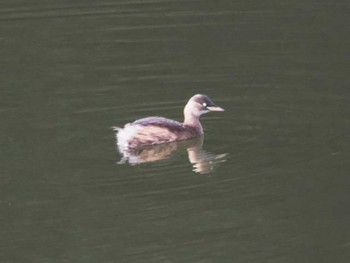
x=272 y=183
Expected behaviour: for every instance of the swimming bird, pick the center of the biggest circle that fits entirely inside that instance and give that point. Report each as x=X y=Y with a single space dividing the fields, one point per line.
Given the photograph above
x=157 y=130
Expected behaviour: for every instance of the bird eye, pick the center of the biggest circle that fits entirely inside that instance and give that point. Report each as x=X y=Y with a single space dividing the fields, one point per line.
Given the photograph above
x=204 y=104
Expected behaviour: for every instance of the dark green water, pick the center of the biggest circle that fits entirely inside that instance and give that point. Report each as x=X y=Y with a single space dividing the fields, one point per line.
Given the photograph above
x=279 y=191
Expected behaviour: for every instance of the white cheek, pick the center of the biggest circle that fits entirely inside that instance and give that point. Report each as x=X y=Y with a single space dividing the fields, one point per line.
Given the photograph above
x=203 y=112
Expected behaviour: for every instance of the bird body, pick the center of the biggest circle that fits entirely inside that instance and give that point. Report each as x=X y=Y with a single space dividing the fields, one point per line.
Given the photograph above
x=157 y=130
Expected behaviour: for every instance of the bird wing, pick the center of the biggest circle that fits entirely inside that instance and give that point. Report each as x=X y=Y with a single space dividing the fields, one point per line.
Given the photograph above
x=160 y=122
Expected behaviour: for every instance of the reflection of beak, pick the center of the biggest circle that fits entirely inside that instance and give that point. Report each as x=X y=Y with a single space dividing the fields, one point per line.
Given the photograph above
x=215 y=108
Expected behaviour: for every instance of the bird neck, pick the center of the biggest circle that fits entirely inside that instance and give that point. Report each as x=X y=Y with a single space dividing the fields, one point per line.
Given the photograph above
x=192 y=120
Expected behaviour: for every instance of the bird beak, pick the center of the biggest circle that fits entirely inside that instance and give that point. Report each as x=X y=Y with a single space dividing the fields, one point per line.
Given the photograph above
x=215 y=108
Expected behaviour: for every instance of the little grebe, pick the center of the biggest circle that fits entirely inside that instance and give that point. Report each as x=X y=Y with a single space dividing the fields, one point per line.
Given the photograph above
x=157 y=130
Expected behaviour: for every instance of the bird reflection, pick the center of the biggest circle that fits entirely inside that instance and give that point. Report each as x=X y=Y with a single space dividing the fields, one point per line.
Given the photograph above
x=201 y=160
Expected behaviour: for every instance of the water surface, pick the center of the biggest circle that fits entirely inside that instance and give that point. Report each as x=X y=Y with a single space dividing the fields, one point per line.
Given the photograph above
x=70 y=71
